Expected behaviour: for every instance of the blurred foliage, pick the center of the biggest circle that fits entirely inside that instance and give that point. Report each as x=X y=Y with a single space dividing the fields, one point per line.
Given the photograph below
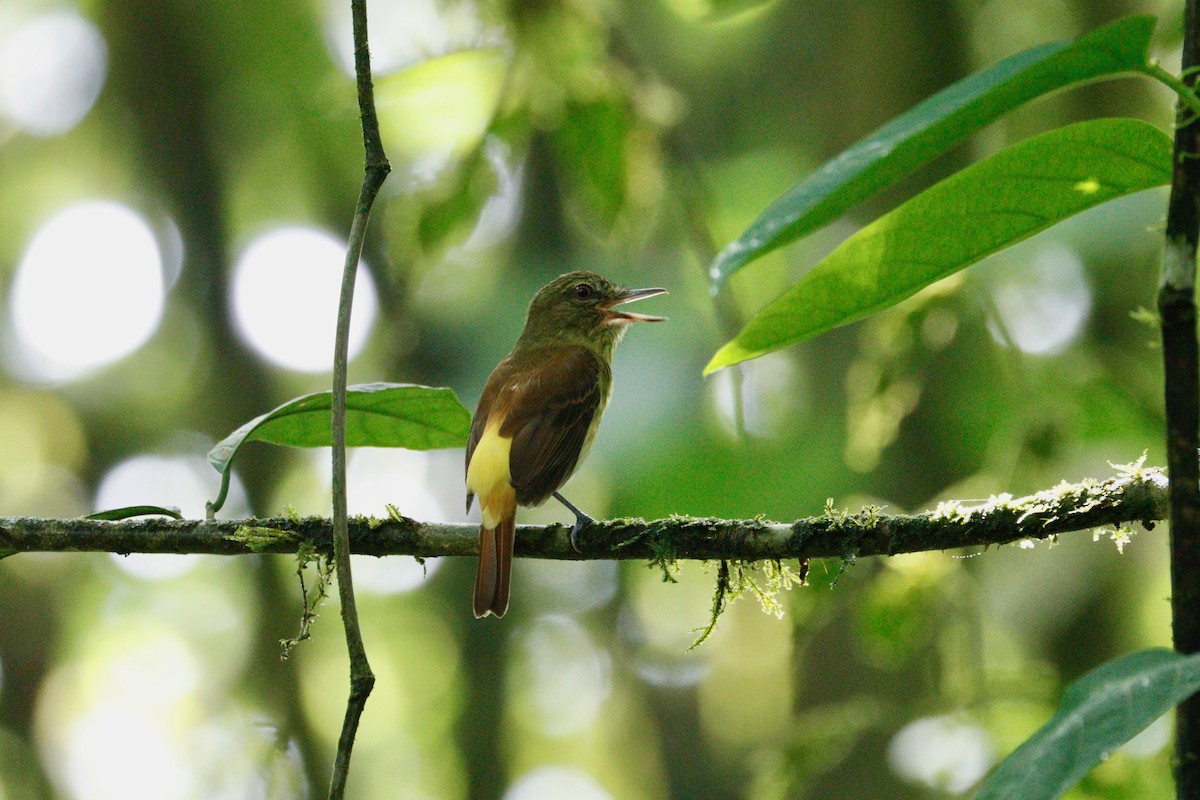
x=531 y=138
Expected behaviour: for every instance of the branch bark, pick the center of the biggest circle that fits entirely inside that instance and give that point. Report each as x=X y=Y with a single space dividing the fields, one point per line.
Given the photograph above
x=1139 y=496
x=1177 y=309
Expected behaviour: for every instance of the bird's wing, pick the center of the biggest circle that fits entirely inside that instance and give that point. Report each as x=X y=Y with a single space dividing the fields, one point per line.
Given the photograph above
x=548 y=419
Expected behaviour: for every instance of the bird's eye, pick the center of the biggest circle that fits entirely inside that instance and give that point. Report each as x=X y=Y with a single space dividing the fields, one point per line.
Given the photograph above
x=583 y=291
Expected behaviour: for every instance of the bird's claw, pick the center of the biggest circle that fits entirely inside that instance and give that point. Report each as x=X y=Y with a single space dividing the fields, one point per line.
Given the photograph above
x=581 y=519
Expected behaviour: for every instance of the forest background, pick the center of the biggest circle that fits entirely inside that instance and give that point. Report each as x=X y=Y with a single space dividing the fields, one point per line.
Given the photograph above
x=209 y=157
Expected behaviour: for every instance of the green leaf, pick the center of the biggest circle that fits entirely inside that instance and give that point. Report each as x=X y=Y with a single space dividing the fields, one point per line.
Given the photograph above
x=932 y=127
x=128 y=512
x=985 y=208
x=377 y=415
x=1100 y=712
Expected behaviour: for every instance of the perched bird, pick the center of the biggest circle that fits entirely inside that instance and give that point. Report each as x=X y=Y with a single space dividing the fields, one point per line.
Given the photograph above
x=539 y=412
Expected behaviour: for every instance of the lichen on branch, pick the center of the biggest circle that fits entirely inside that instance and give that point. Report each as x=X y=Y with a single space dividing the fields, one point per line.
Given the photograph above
x=1136 y=494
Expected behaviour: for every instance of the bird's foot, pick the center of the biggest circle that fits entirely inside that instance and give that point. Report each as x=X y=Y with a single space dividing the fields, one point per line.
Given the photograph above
x=581 y=519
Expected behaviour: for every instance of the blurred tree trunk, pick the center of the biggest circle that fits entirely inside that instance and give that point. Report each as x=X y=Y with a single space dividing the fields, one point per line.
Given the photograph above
x=160 y=64
x=481 y=725
x=276 y=681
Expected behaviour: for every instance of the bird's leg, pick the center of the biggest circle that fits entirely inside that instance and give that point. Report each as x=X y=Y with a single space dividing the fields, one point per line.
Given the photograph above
x=581 y=519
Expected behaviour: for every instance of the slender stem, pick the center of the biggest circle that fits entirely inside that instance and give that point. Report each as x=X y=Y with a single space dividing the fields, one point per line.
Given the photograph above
x=362 y=680
x=1181 y=87
x=1181 y=368
x=213 y=506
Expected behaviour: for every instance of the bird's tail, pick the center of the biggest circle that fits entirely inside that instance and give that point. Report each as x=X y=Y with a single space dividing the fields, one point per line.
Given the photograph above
x=494 y=577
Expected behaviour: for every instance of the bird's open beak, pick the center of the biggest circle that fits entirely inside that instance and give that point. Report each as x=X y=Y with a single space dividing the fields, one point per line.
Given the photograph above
x=611 y=315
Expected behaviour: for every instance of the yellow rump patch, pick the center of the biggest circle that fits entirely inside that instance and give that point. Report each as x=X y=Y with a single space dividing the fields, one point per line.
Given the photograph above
x=488 y=475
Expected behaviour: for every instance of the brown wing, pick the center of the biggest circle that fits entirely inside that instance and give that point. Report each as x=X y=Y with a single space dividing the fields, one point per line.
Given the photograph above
x=549 y=421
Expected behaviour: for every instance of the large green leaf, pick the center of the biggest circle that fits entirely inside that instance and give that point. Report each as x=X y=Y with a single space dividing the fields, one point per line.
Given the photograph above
x=1100 y=712
x=377 y=415
x=932 y=127
x=983 y=209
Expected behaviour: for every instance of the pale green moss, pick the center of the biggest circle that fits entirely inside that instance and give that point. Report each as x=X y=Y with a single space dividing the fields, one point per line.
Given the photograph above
x=763 y=579
x=313 y=598
x=260 y=539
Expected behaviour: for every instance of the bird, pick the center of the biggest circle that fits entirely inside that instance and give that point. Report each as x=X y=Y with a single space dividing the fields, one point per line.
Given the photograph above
x=538 y=414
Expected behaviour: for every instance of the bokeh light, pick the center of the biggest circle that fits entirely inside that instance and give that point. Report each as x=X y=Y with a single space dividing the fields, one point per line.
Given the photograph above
x=102 y=719
x=421 y=485
x=1041 y=302
x=52 y=69
x=88 y=291
x=555 y=783
x=942 y=753
x=1149 y=742
x=440 y=109
x=392 y=575
x=660 y=621
x=163 y=773
x=500 y=212
x=439 y=69
x=404 y=32
x=424 y=485
x=286 y=285
x=562 y=675
x=569 y=586
x=185 y=482
x=130 y=717
x=773 y=397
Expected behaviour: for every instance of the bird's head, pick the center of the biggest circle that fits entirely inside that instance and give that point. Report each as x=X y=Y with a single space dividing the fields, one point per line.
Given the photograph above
x=581 y=307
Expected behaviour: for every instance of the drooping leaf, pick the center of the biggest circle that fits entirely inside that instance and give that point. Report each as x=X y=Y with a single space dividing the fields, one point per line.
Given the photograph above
x=129 y=512
x=932 y=127
x=985 y=208
x=377 y=415
x=1100 y=712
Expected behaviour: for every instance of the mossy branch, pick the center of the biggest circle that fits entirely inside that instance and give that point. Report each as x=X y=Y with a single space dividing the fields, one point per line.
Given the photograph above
x=1135 y=495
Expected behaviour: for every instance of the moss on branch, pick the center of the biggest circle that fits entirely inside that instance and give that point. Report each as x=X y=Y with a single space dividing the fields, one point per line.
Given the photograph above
x=1135 y=495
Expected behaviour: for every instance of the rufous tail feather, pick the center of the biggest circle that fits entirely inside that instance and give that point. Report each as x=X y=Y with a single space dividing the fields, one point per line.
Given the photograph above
x=494 y=577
